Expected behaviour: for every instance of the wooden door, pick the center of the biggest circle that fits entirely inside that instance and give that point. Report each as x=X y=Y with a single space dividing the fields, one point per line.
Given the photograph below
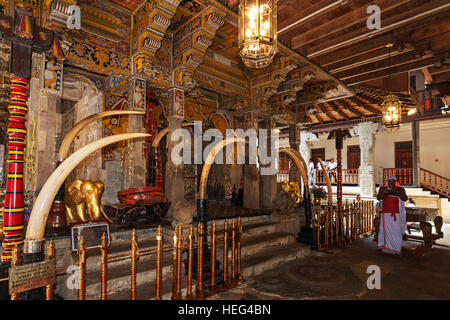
x=403 y=154
x=316 y=154
x=353 y=157
x=284 y=163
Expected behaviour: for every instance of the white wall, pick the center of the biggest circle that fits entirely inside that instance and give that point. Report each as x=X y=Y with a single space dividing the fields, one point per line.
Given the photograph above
x=434 y=144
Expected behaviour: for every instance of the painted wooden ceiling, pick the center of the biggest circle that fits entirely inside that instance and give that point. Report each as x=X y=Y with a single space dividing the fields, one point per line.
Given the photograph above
x=128 y=5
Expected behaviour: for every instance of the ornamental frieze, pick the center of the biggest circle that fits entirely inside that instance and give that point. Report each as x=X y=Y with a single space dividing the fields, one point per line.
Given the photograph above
x=98 y=59
x=220 y=85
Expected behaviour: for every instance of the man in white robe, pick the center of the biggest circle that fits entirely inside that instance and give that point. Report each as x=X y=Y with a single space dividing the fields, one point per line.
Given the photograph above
x=393 y=217
x=311 y=173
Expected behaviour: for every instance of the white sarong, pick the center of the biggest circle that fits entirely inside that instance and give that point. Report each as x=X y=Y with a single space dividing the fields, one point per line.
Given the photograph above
x=392 y=227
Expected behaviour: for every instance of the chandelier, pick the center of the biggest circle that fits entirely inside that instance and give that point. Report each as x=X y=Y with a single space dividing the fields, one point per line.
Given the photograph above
x=391 y=108
x=391 y=112
x=257 y=32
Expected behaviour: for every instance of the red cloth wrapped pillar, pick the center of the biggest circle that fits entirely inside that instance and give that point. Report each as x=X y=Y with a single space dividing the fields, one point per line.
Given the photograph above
x=13 y=219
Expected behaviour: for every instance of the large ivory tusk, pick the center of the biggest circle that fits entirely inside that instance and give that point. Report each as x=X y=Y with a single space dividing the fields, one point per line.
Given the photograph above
x=209 y=161
x=68 y=138
x=296 y=157
x=327 y=177
x=304 y=172
x=41 y=208
x=164 y=131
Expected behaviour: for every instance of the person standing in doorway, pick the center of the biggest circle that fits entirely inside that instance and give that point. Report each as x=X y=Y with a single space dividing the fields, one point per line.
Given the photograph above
x=393 y=217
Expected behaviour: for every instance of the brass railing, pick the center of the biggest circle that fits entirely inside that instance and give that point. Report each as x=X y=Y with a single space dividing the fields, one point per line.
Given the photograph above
x=336 y=226
x=232 y=276
x=434 y=182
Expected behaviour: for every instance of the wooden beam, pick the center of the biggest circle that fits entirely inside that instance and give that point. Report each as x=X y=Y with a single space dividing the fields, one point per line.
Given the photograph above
x=287 y=22
x=437 y=70
x=364 y=59
x=325 y=111
x=366 y=106
x=368 y=98
x=355 y=16
x=424 y=63
x=399 y=60
x=346 y=105
x=319 y=118
x=441 y=77
x=311 y=118
x=436 y=43
x=405 y=37
x=428 y=9
x=336 y=108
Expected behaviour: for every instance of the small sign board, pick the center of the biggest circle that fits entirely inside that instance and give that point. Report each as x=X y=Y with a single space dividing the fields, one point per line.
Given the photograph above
x=92 y=233
x=31 y=276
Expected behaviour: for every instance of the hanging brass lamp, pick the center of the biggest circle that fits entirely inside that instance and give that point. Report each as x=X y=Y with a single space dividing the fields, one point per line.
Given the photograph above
x=258 y=32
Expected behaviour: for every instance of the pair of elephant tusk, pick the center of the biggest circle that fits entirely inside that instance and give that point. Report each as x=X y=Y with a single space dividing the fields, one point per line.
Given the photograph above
x=41 y=208
x=105 y=215
x=209 y=161
x=327 y=177
x=300 y=164
x=68 y=138
x=164 y=131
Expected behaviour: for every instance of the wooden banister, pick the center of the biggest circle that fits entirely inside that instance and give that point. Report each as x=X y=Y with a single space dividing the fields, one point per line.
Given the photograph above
x=434 y=182
x=404 y=175
x=349 y=176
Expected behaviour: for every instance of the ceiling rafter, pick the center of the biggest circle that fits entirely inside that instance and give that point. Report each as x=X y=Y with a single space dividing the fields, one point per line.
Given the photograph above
x=367 y=106
x=325 y=111
x=342 y=22
x=346 y=105
x=409 y=17
x=336 y=108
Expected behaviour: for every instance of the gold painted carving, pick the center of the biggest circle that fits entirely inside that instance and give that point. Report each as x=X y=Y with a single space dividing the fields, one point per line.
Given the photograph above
x=83 y=201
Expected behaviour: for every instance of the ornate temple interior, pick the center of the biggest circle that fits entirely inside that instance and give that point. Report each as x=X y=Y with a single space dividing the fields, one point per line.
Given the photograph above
x=224 y=149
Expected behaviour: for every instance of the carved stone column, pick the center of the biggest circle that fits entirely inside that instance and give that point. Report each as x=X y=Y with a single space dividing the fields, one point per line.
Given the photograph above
x=305 y=147
x=366 y=180
x=268 y=185
x=174 y=180
x=251 y=173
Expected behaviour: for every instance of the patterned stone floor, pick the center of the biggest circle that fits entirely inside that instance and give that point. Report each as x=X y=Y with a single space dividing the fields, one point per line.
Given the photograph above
x=342 y=274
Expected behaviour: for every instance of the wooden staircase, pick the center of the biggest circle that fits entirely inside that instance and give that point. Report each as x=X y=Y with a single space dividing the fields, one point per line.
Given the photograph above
x=434 y=183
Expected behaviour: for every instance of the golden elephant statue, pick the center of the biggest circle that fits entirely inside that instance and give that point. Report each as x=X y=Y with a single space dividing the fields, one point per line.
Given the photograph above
x=83 y=201
x=293 y=189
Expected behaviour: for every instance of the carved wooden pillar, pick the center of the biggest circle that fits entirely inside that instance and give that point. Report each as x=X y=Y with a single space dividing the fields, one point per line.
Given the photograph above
x=339 y=136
